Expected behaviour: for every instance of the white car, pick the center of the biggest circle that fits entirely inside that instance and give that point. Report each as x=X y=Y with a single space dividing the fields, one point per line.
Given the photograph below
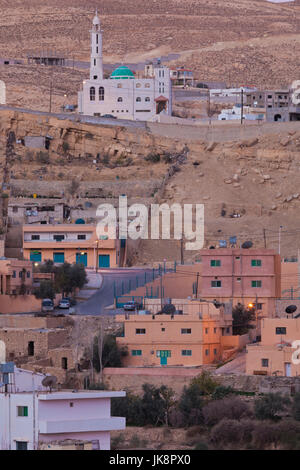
x=64 y=303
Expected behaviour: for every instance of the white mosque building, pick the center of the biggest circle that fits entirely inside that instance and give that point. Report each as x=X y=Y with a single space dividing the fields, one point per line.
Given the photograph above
x=122 y=95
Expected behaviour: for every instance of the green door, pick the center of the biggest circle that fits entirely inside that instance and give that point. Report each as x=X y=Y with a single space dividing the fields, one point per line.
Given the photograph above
x=81 y=258
x=163 y=357
x=104 y=261
x=36 y=256
x=58 y=257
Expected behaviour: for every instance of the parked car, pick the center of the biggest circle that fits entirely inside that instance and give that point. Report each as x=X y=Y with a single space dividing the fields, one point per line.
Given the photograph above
x=64 y=303
x=109 y=116
x=131 y=305
x=47 y=305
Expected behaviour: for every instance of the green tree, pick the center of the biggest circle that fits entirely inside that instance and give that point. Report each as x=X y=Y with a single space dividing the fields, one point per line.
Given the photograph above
x=296 y=407
x=190 y=404
x=45 y=290
x=268 y=406
x=242 y=319
x=111 y=353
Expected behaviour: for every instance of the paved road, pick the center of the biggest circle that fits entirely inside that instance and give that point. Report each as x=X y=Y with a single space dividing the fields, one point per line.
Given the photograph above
x=237 y=366
x=105 y=295
x=80 y=118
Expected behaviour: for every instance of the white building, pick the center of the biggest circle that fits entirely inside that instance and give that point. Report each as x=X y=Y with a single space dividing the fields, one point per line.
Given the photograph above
x=2 y=92
x=235 y=113
x=230 y=92
x=29 y=419
x=122 y=95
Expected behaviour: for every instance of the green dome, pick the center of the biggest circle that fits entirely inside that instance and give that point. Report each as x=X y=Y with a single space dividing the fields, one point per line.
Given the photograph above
x=122 y=72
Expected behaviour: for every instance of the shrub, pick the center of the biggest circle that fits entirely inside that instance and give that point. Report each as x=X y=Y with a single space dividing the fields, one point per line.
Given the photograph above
x=230 y=408
x=268 y=406
x=264 y=435
x=43 y=157
x=296 y=407
x=201 y=446
x=65 y=147
x=190 y=405
x=152 y=157
x=226 y=431
x=136 y=442
x=205 y=383
x=222 y=392
x=116 y=441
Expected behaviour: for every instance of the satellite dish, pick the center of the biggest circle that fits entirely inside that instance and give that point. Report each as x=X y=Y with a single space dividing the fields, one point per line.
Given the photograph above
x=247 y=244
x=49 y=381
x=291 y=309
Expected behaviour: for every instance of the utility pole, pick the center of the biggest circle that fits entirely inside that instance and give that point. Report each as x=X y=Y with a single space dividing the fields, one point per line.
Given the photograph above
x=181 y=252
x=279 y=238
x=161 y=288
x=197 y=281
x=265 y=240
x=97 y=256
x=50 y=98
x=242 y=103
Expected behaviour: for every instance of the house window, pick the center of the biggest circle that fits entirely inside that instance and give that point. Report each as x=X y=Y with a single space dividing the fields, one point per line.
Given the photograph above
x=206 y=352
x=237 y=257
x=28 y=274
x=258 y=306
x=136 y=352
x=238 y=279
x=22 y=411
x=101 y=93
x=140 y=331
x=147 y=99
x=120 y=99
x=92 y=93
x=163 y=329
x=15 y=208
x=31 y=348
x=216 y=284
x=255 y=283
x=97 y=38
x=206 y=331
x=81 y=237
x=138 y=85
x=186 y=352
x=64 y=363
x=58 y=238
x=21 y=445
x=265 y=362
x=215 y=330
x=35 y=237
x=215 y=352
x=186 y=331
x=256 y=262
x=20 y=274
x=119 y=85
x=280 y=330
x=147 y=85
x=138 y=99
x=215 y=262
x=14 y=274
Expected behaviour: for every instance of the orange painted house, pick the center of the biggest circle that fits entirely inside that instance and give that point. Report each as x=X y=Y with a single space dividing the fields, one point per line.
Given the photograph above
x=72 y=243
x=191 y=339
x=274 y=354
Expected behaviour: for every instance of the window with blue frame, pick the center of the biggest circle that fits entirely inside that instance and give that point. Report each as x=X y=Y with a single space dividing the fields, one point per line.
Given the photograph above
x=36 y=256
x=58 y=257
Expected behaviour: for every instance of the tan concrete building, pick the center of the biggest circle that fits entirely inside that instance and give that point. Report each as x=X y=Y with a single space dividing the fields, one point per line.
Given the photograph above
x=275 y=354
x=72 y=243
x=196 y=338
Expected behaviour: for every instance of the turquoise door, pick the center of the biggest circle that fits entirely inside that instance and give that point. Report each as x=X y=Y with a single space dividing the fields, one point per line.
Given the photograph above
x=104 y=261
x=81 y=258
x=36 y=256
x=163 y=361
x=58 y=257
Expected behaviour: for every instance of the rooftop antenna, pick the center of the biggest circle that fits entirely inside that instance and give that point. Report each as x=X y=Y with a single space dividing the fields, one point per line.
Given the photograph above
x=49 y=381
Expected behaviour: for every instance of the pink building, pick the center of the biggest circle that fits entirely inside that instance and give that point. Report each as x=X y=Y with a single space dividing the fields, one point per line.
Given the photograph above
x=29 y=420
x=242 y=275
